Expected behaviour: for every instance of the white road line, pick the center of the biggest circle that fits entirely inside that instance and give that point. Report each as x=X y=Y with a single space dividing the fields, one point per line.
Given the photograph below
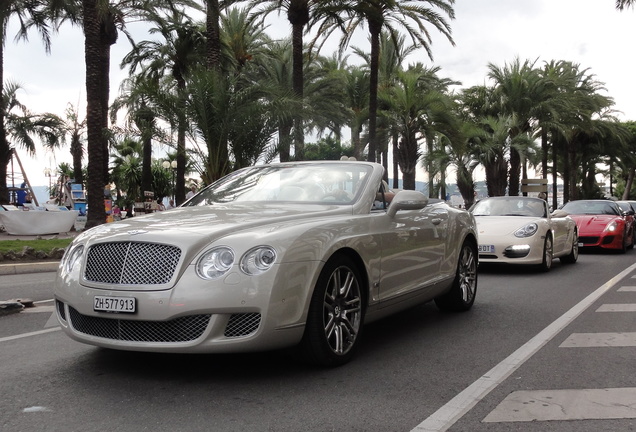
x=25 y=335
x=446 y=416
x=627 y=289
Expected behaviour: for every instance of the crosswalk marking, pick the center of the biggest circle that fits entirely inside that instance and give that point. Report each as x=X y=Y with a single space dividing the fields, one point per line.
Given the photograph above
x=592 y=340
x=586 y=404
x=579 y=404
x=621 y=307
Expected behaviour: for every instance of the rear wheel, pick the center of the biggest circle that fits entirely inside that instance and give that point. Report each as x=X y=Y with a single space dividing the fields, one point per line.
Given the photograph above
x=335 y=317
x=574 y=252
x=462 y=293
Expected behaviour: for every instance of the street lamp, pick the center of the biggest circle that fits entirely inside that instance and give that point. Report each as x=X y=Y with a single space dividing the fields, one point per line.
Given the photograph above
x=48 y=173
x=167 y=165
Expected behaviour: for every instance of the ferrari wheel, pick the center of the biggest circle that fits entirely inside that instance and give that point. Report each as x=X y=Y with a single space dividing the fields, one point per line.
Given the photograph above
x=335 y=317
x=462 y=293
x=573 y=256
x=547 y=254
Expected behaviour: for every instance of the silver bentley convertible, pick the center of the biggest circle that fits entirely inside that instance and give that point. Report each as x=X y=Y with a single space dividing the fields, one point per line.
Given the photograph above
x=267 y=257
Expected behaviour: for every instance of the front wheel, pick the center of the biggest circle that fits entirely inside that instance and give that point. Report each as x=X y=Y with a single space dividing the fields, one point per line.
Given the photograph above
x=462 y=293
x=335 y=317
x=548 y=252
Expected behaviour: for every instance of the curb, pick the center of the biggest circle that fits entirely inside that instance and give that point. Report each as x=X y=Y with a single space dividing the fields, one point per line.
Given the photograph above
x=32 y=267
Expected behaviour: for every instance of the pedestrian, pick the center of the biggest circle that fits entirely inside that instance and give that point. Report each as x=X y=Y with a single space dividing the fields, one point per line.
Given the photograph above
x=193 y=190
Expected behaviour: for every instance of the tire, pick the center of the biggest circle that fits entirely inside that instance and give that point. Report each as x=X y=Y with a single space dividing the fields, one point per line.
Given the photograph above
x=573 y=256
x=623 y=248
x=336 y=314
x=548 y=254
x=464 y=288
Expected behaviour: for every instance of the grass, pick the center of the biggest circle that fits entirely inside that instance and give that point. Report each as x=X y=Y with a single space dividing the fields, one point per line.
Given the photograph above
x=44 y=245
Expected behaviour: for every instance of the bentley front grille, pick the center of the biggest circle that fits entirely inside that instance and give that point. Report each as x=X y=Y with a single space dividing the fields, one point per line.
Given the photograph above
x=131 y=263
x=242 y=324
x=182 y=329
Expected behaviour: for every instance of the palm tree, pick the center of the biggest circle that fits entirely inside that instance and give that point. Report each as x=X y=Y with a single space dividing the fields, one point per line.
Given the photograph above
x=75 y=129
x=174 y=58
x=623 y=4
x=29 y=13
x=393 y=16
x=298 y=14
x=416 y=109
x=22 y=126
x=517 y=90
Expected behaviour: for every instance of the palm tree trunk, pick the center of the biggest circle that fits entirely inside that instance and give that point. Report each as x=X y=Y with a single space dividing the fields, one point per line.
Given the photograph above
x=298 y=87
x=5 y=150
x=93 y=57
x=213 y=48
x=629 y=183
x=373 y=90
x=396 y=166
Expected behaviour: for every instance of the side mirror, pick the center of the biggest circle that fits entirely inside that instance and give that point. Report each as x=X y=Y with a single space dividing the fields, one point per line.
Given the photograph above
x=559 y=214
x=407 y=200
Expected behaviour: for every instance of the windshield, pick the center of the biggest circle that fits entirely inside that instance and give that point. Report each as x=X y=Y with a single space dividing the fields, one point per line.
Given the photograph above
x=591 y=208
x=512 y=206
x=337 y=182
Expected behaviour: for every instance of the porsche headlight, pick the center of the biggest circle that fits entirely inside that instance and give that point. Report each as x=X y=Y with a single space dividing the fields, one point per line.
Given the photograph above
x=258 y=260
x=215 y=263
x=527 y=231
x=72 y=257
x=611 y=227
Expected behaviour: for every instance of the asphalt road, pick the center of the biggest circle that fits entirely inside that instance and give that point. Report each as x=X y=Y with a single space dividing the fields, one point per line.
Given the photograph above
x=421 y=370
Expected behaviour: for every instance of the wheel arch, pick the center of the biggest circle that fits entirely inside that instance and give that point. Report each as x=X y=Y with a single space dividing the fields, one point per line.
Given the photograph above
x=360 y=266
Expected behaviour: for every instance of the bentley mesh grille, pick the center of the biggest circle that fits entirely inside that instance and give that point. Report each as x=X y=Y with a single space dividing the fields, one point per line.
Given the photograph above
x=242 y=324
x=182 y=329
x=60 y=309
x=131 y=263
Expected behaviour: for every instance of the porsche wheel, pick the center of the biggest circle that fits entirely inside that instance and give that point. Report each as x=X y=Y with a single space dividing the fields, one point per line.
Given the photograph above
x=335 y=317
x=573 y=256
x=548 y=251
x=462 y=293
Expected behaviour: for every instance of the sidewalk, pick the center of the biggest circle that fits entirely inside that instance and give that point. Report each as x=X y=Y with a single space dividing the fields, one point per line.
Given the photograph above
x=22 y=267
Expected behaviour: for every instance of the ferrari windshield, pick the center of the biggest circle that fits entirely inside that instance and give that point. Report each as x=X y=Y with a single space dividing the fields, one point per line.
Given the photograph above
x=510 y=206
x=337 y=182
x=592 y=207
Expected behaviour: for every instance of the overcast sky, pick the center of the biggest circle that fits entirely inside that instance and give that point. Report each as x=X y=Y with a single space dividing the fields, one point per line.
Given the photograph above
x=591 y=33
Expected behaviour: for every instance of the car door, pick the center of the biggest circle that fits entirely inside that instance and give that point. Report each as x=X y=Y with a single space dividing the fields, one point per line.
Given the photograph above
x=413 y=250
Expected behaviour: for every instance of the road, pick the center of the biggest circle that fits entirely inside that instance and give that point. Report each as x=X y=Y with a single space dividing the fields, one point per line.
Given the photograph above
x=539 y=351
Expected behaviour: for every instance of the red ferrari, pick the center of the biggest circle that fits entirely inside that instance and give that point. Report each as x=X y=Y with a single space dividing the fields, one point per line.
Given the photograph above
x=601 y=224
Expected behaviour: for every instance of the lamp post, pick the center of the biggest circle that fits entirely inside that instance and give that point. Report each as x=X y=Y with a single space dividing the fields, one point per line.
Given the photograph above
x=168 y=165
x=48 y=173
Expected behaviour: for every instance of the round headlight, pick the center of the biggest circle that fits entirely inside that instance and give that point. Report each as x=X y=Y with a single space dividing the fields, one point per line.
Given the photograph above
x=258 y=260
x=215 y=263
x=527 y=231
x=612 y=226
x=72 y=257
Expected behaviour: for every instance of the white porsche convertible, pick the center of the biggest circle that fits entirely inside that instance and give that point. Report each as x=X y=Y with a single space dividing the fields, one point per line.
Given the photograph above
x=267 y=257
x=521 y=230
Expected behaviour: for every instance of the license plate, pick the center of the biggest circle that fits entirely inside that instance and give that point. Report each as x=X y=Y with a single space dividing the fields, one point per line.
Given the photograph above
x=114 y=304
x=486 y=248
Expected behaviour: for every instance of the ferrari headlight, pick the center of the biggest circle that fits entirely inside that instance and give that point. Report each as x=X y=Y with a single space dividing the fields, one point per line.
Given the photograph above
x=258 y=260
x=215 y=263
x=72 y=257
x=611 y=227
x=527 y=231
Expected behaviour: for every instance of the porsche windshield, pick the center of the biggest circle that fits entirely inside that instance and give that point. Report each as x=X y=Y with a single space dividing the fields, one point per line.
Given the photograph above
x=339 y=183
